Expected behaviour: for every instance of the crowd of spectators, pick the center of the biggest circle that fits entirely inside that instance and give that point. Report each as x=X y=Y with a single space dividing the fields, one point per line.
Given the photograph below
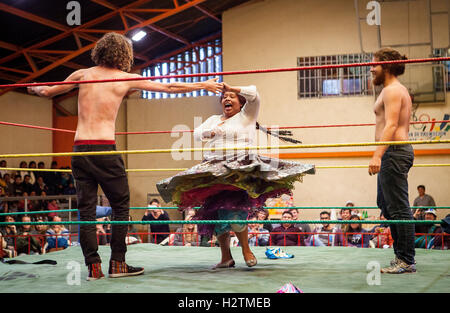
x=35 y=239
x=25 y=182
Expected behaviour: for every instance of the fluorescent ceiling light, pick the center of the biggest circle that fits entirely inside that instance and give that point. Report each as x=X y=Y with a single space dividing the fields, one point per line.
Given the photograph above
x=139 y=35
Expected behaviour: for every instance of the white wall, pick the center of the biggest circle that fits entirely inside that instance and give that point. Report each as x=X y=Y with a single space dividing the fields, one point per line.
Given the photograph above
x=271 y=34
x=25 y=109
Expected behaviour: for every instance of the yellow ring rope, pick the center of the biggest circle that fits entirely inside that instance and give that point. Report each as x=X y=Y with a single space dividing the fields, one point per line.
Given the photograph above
x=303 y=146
x=137 y=170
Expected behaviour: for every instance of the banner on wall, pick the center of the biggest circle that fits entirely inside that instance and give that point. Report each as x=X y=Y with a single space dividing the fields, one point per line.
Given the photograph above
x=430 y=131
x=283 y=201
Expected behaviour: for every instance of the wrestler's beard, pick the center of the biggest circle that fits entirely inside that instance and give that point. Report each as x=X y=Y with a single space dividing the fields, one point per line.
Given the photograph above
x=379 y=79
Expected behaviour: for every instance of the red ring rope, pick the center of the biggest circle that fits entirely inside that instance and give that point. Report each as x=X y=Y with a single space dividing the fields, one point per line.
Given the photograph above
x=302 y=68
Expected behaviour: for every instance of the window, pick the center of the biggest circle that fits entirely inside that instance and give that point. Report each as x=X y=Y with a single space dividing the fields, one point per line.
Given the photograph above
x=330 y=82
x=442 y=52
x=205 y=58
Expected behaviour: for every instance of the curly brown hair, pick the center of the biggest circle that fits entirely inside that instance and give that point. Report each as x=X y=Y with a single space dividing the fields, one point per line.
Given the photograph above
x=115 y=51
x=389 y=54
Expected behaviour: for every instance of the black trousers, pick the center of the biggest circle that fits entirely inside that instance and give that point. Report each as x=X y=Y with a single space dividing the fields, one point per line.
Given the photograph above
x=108 y=171
x=393 y=198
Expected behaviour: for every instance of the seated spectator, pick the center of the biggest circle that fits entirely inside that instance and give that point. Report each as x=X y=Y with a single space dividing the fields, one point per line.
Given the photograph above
x=234 y=241
x=154 y=213
x=419 y=215
x=345 y=215
x=102 y=237
x=53 y=180
x=423 y=199
x=43 y=203
x=429 y=241
x=208 y=241
x=40 y=186
x=66 y=179
x=9 y=232
x=2 y=191
x=442 y=241
x=5 y=250
x=57 y=236
x=26 y=243
x=17 y=186
x=350 y=204
x=132 y=235
x=354 y=236
x=382 y=237
x=263 y=215
x=305 y=227
x=3 y=164
x=257 y=234
x=4 y=207
x=22 y=173
x=189 y=212
x=34 y=204
x=41 y=165
x=186 y=235
x=108 y=229
x=40 y=231
x=32 y=164
x=287 y=234
x=9 y=184
x=52 y=206
x=3 y=186
x=21 y=204
x=323 y=237
x=70 y=189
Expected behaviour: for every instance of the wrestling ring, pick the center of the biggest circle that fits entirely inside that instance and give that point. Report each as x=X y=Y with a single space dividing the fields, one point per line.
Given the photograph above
x=179 y=269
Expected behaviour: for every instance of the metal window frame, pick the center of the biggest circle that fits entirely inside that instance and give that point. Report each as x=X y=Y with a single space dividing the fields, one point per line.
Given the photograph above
x=310 y=83
x=204 y=58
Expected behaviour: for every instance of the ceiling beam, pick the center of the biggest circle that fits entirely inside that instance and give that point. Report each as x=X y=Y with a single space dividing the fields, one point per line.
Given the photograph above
x=160 y=30
x=105 y=4
x=70 y=31
x=171 y=12
x=50 y=51
x=9 y=77
x=32 y=17
x=160 y=42
x=140 y=20
x=208 y=13
x=31 y=62
x=15 y=70
x=9 y=46
x=92 y=45
x=178 y=51
x=77 y=40
x=124 y=21
x=148 y=10
x=50 y=58
x=40 y=20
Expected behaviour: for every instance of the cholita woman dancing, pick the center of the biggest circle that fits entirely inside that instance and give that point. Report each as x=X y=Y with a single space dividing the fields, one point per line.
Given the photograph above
x=227 y=184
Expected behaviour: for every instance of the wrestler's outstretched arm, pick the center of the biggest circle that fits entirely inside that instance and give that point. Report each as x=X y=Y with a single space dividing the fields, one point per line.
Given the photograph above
x=51 y=91
x=209 y=85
